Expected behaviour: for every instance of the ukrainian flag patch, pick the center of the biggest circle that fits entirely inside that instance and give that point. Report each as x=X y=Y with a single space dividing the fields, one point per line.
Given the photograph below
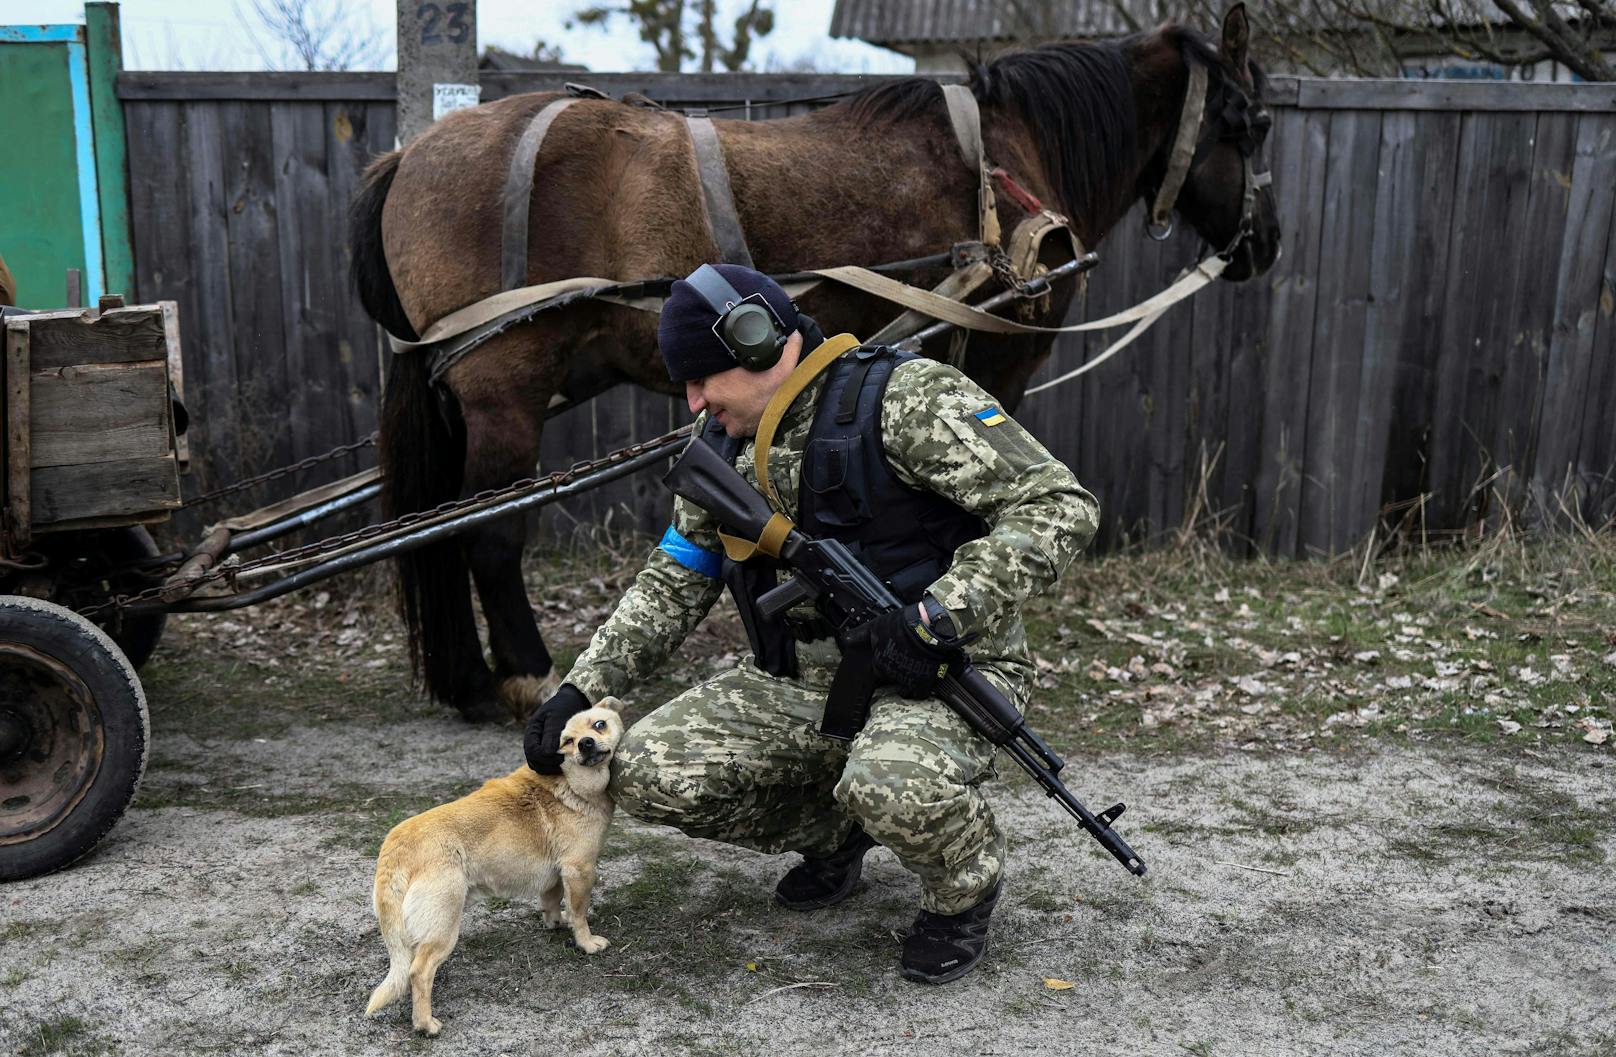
x=990 y=416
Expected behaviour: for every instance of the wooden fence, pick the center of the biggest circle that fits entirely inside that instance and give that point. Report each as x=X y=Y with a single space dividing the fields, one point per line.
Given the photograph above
x=1439 y=334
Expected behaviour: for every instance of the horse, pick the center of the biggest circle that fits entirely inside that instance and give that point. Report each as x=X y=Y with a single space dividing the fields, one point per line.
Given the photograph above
x=1086 y=127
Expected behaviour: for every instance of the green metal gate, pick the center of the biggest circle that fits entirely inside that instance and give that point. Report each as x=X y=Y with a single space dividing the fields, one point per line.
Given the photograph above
x=64 y=199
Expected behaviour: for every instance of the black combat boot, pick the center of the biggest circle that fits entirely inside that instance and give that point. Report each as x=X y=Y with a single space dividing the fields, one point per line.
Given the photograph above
x=944 y=947
x=816 y=883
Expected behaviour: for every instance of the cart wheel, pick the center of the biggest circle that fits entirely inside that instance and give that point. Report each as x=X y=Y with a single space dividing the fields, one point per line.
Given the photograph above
x=90 y=567
x=73 y=736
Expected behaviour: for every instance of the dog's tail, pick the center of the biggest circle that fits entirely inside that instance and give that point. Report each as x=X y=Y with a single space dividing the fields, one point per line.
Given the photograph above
x=390 y=917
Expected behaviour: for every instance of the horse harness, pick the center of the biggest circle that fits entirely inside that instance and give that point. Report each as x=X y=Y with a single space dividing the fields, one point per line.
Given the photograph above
x=1243 y=124
x=451 y=338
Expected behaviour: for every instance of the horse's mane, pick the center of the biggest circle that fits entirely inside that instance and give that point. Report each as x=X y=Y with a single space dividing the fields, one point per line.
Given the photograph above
x=1077 y=99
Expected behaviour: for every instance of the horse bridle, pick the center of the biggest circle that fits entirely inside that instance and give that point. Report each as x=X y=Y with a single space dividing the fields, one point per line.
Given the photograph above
x=1238 y=121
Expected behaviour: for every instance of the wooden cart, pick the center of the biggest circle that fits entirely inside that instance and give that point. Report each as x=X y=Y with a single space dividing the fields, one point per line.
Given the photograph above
x=93 y=448
x=92 y=457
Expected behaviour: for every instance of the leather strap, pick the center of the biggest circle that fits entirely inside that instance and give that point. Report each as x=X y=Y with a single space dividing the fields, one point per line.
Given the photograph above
x=769 y=542
x=1178 y=163
x=718 y=198
x=957 y=286
x=970 y=317
x=519 y=195
x=789 y=390
x=966 y=117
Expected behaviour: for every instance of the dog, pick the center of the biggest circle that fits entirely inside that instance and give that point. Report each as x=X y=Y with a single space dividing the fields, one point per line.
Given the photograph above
x=523 y=836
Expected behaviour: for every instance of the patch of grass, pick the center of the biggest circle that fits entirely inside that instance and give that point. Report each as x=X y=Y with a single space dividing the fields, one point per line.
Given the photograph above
x=14 y=978
x=59 y=1035
x=15 y=931
x=1531 y=822
x=239 y=971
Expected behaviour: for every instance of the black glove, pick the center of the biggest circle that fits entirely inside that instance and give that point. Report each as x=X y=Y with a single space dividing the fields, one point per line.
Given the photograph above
x=542 y=741
x=906 y=654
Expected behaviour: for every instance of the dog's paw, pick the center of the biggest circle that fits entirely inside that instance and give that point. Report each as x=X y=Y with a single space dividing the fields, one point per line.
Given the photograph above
x=553 y=919
x=593 y=944
x=431 y=1027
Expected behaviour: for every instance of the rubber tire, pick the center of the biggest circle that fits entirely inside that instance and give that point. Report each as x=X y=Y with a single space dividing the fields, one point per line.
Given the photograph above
x=138 y=636
x=125 y=723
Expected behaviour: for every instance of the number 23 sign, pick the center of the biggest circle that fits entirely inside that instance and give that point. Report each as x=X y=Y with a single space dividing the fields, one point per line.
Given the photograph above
x=443 y=23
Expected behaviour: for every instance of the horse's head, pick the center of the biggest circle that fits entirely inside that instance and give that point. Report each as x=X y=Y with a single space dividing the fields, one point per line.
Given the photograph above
x=1225 y=192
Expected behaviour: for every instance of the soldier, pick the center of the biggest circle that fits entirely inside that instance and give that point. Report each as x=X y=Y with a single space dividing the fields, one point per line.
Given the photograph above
x=943 y=496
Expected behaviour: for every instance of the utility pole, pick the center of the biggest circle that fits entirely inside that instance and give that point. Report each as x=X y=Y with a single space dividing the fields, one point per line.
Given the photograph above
x=437 y=62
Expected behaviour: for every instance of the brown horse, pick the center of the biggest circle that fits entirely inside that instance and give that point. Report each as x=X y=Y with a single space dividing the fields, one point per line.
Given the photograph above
x=1086 y=127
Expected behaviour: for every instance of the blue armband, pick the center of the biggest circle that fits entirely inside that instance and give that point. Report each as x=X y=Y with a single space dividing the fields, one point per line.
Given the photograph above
x=707 y=563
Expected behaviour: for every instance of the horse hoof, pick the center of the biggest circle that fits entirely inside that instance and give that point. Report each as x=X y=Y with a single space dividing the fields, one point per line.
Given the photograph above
x=521 y=694
x=483 y=710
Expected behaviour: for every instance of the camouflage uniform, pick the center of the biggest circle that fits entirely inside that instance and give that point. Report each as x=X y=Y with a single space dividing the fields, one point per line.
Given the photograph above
x=739 y=758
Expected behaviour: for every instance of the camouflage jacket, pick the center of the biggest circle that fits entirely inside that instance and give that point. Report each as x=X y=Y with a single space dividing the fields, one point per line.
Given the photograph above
x=940 y=431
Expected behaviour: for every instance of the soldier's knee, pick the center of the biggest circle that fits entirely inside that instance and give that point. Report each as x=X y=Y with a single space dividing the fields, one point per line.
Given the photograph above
x=651 y=782
x=633 y=783
x=903 y=803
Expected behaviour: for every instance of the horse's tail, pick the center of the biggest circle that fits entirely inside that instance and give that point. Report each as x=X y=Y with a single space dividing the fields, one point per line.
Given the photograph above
x=369 y=268
x=422 y=460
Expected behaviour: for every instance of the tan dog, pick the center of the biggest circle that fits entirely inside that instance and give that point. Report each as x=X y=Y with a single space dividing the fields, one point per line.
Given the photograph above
x=524 y=836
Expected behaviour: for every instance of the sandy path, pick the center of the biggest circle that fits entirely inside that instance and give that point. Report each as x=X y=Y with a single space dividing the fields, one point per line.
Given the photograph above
x=1409 y=901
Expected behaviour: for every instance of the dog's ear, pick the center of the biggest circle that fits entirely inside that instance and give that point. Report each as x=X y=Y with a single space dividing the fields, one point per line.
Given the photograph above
x=611 y=704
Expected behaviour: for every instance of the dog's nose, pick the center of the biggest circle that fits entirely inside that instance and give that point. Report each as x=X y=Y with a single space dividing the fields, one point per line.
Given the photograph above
x=586 y=744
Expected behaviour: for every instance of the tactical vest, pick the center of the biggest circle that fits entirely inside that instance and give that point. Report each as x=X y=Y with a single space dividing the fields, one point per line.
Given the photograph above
x=906 y=536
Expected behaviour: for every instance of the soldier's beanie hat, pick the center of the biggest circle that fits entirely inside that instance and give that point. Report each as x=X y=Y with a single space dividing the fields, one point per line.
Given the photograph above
x=685 y=335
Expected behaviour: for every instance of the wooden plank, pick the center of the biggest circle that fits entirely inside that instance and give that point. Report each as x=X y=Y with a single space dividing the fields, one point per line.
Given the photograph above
x=1211 y=343
x=1282 y=90
x=1596 y=450
x=313 y=289
x=176 y=379
x=1110 y=460
x=1495 y=158
x=19 y=458
x=1585 y=253
x=1413 y=215
x=1408 y=303
x=159 y=202
x=188 y=86
x=216 y=426
x=1368 y=94
x=99 y=413
x=257 y=345
x=1301 y=150
x=1169 y=366
x=1528 y=321
x=717 y=88
x=106 y=489
x=122 y=335
x=721 y=89
x=1329 y=468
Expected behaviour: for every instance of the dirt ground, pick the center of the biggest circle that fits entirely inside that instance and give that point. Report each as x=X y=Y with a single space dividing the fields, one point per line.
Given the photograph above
x=1337 y=888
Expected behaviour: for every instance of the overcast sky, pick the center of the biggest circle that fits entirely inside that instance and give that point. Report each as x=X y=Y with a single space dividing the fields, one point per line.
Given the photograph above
x=220 y=34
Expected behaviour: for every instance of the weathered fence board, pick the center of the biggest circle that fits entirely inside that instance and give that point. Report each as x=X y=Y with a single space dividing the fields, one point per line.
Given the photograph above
x=1442 y=313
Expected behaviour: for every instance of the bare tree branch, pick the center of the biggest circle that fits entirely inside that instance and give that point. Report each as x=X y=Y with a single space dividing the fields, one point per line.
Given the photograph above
x=320 y=35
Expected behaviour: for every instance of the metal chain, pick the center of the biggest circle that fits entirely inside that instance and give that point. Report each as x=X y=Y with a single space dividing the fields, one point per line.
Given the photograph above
x=488 y=497
x=1005 y=271
x=285 y=471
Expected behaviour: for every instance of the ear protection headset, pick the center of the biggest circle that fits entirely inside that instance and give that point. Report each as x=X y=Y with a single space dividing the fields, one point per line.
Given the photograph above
x=747 y=326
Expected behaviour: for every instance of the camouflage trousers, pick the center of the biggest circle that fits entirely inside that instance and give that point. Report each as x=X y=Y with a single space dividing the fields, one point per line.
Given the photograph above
x=740 y=759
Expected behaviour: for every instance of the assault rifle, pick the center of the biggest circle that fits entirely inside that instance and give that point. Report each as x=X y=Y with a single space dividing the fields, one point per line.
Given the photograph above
x=849 y=596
